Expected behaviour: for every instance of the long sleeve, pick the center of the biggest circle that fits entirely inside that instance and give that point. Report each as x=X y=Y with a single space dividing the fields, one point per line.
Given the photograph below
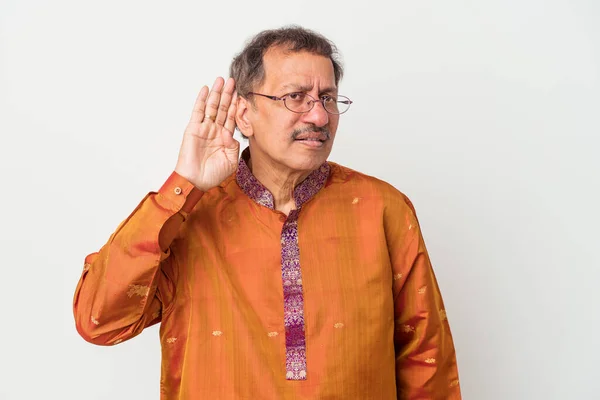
x=426 y=366
x=125 y=286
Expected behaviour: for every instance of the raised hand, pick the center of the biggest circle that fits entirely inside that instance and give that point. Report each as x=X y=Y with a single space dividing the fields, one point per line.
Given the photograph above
x=209 y=153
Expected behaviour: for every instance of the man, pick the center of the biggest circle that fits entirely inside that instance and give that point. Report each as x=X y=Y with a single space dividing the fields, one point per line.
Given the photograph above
x=279 y=275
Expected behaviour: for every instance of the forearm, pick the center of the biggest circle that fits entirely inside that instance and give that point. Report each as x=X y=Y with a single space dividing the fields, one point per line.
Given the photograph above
x=169 y=231
x=426 y=366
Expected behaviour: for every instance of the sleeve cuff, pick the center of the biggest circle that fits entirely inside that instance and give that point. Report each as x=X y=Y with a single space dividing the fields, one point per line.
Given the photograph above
x=180 y=192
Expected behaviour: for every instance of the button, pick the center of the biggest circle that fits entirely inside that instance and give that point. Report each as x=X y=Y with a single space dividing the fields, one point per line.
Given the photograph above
x=282 y=218
x=177 y=190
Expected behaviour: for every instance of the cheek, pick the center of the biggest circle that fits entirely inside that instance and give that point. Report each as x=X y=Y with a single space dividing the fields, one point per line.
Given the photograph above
x=278 y=130
x=333 y=124
x=286 y=124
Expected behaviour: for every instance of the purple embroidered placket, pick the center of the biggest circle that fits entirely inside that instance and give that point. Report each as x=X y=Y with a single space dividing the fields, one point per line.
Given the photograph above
x=291 y=274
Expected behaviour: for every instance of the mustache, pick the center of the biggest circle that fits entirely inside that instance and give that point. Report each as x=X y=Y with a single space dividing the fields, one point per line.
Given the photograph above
x=298 y=132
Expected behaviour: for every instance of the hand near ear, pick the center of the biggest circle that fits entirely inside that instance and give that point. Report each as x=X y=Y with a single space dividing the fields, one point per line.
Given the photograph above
x=208 y=152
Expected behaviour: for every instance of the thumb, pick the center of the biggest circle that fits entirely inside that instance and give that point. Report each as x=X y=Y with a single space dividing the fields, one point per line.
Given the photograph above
x=229 y=142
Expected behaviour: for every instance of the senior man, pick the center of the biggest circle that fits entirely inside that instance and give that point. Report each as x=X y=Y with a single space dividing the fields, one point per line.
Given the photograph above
x=277 y=274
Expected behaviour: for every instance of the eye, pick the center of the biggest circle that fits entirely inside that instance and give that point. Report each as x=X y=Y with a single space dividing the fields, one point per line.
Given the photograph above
x=328 y=98
x=296 y=96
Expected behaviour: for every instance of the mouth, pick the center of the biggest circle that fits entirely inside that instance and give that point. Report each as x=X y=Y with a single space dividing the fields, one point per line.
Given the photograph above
x=314 y=143
x=313 y=138
x=318 y=140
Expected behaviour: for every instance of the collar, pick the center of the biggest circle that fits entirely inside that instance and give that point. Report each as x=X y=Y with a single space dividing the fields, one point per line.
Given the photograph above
x=306 y=190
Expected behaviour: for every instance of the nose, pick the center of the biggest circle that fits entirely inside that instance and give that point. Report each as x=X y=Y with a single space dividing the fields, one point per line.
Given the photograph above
x=317 y=115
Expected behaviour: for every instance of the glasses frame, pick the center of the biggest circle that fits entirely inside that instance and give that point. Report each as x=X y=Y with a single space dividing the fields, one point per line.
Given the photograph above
x=312 y=102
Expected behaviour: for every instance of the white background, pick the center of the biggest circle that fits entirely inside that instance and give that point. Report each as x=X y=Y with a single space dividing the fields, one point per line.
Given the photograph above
x=485 y=113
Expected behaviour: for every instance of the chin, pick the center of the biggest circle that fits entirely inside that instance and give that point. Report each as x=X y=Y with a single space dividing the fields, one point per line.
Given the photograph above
x=308 y=161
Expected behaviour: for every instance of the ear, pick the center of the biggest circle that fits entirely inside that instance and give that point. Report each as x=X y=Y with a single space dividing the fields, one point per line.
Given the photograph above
x=241 y=117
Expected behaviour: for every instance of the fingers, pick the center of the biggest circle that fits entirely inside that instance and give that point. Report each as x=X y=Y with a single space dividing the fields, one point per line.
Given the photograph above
x=230 y=119
x=214 y=98
x=226 y=98
x=218 y=105
x=199 y=106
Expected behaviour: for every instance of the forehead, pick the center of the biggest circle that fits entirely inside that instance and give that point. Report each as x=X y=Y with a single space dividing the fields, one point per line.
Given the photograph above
x=285 y=68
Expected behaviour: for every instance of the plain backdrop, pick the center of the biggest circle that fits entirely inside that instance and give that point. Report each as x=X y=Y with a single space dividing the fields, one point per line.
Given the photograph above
x=485 y=113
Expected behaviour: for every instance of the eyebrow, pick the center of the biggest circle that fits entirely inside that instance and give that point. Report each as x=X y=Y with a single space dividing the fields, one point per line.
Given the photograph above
x=307 y=88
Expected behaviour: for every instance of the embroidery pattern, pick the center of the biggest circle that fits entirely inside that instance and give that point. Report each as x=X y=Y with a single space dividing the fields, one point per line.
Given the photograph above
x=443 y=315
x=293 y=300
x=139 y=290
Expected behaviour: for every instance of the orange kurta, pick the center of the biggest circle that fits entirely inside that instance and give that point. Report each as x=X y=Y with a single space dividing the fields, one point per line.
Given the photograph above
x=373 y=324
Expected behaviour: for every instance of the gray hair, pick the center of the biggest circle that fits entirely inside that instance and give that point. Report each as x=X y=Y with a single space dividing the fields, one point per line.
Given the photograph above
x=247 y=68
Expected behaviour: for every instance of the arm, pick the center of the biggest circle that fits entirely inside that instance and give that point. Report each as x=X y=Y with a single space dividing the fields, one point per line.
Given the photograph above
x=426 y=366
x=125 y=286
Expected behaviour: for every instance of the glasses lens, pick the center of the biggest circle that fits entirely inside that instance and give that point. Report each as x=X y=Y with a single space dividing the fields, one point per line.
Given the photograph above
x=298 y=102
x=338 y=105
x=301 y=103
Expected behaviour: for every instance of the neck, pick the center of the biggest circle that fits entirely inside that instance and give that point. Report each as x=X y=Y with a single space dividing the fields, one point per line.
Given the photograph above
x=279 y=180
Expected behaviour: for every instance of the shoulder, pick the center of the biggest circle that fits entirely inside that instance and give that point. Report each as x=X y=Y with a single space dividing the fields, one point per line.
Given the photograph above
x=344 y=178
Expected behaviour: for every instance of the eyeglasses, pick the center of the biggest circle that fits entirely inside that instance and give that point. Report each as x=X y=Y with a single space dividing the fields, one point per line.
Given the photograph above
x=300 y=102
